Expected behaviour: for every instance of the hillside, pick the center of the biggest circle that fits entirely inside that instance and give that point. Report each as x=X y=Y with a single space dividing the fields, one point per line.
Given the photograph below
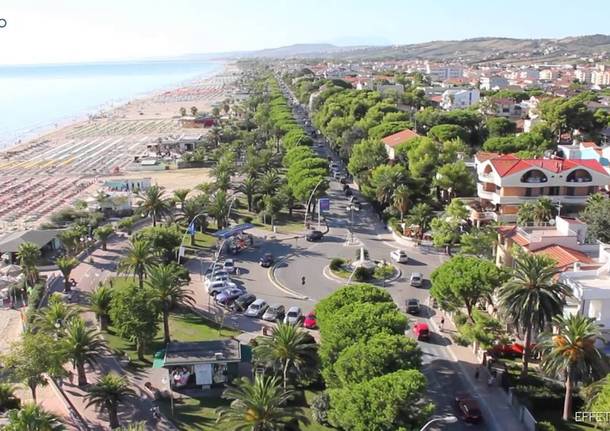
x=486 y=49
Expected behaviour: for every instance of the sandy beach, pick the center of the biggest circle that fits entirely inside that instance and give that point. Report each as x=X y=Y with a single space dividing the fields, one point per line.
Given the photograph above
x=42 y=175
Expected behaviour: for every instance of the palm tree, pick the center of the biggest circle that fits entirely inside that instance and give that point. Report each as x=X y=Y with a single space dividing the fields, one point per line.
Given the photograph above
x=28 y=254
x=153 y=204
x=421 y=216
x=99 y=303
x=190 y=209
x=249 y=187
x=526 y=212
x=108 y=394
x=288 y=350
x=180 y=196
x=532 y=297
x=32 y=417
x=102 y=234
x=543 y=210
x=571 y=353
x=82 y=345
x=401 y=200
x=169 y=292
x=54 y=317
x=259 y=405
x=66 y=265
x=269 y=182
x=386 y=183
x=8 y=399
x=219 y=208
x=138 y=259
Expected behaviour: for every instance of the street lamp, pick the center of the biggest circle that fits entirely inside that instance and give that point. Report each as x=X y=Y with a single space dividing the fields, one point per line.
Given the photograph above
x=309 y=200
x=451 y=419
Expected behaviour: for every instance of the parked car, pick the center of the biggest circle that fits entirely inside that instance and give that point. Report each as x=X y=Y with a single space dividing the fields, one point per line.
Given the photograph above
x=508 y=350
x=243 y=301
x=227 y=296
x=348 y=192
x=421 y=331
x=345 y=187
x=412 y=306
x=468 y=408
x=314 y=235
x=229 y=266
x=274 y=313
x=399 y=256
x=310 y=321
x=417 y=279
x=257 y=308
x=217 y=277
x=216 y=287
x=343 y=180
x=218 y=273
x=266 y=261
x=294 y=316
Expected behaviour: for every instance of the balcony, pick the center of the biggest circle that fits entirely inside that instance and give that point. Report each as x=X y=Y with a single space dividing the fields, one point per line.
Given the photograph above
x=484 y=194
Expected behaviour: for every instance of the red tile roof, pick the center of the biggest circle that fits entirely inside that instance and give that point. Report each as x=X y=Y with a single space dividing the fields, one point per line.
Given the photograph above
x=509 y=164
x=399 y=138
x=564 y=256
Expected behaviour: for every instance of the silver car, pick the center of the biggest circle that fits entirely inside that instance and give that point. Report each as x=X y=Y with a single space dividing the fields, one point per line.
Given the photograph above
x=417 y=279
x=257 y=308
x=274 y=313
x=294 y=316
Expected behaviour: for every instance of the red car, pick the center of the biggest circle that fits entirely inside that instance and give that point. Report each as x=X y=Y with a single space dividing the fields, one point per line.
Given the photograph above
x=421 y=331
x=468 y=408
x=511 y=350
x=310 y=321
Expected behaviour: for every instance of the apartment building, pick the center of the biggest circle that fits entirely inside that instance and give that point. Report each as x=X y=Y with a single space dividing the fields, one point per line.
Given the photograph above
x=459 y=98
x=442 y=72
x=504 y=182
x=494 y=82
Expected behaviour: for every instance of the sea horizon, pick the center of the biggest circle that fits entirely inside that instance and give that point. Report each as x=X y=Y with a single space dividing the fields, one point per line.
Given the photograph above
x=40 y=98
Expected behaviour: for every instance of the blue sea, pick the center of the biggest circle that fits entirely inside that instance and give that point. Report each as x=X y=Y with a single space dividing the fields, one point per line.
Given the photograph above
x=36 y=98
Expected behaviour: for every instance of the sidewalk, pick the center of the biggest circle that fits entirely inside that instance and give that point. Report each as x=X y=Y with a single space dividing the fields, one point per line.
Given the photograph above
x=493 y=399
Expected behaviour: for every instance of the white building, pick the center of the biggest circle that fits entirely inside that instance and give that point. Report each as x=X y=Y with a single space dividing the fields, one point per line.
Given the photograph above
x=456 y=98
x=442 y=72
x=583 y=75
x=591 y=290
x=493 y=82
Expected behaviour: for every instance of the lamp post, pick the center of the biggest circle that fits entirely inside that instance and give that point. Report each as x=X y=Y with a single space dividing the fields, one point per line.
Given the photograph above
x=309 y=200
x=451 y=419
x=187 y=231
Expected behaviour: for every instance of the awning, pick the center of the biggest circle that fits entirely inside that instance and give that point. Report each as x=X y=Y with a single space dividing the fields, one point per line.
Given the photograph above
x=229 y=232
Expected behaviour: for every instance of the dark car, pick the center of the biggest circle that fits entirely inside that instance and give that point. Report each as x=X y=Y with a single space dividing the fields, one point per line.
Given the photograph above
x=348 y=192
x=243 y=301
x=468 y=408
x=345 y=187
x=266 y=261
x=412 y=306
x=314 y=235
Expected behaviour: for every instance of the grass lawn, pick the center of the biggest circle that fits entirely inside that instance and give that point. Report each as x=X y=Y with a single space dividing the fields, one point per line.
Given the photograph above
x=183 y=327
x=201 y=240
x=198 y=414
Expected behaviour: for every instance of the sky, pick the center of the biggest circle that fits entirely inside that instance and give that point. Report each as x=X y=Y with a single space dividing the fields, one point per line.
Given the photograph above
x=60 y=31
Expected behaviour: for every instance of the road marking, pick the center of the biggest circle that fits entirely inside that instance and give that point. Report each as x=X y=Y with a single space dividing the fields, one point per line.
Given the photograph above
x=278 y=285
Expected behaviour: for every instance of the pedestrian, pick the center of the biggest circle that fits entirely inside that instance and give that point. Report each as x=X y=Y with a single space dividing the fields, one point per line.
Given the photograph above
x=237 y=271
x=71 y=377
x=303 y=280
x=476 y=374
x=442 y=323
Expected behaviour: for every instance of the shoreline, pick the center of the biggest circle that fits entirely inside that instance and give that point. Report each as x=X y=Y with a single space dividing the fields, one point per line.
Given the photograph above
x=104 y=110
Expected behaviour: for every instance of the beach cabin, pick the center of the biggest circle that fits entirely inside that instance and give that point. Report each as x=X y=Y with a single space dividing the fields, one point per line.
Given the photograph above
x=204 y=364
x=46 y=240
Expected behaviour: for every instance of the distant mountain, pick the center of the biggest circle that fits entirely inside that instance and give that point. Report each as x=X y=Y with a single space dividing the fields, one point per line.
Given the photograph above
x=477 y=50
x=490 y=49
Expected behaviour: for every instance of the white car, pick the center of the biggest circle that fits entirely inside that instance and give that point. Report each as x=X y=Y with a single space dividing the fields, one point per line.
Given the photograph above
x=221 y=277
x=294 y=316
x=218 y=273
x=229 y=266
x=417 y=279
x=216 y=287
x=399 y=256
x=257 y=308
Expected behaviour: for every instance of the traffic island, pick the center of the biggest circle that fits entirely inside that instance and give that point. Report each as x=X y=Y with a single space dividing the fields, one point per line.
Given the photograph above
x=375 y=272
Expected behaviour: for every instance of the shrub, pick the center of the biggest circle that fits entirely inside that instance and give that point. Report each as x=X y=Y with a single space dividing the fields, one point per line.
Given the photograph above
x=545 y=426
x=336 y=263
x=362 y=274
x=383 y=272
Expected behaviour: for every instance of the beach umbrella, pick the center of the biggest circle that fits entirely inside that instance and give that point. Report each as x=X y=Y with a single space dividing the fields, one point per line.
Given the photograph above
x=11 y=270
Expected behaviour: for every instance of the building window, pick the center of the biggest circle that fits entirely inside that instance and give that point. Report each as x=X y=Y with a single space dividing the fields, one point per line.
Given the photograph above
x=534 y=176
x=591 y=190
x=553 y=191
x=570 y=191
x=528 y=191
x=579 y=176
